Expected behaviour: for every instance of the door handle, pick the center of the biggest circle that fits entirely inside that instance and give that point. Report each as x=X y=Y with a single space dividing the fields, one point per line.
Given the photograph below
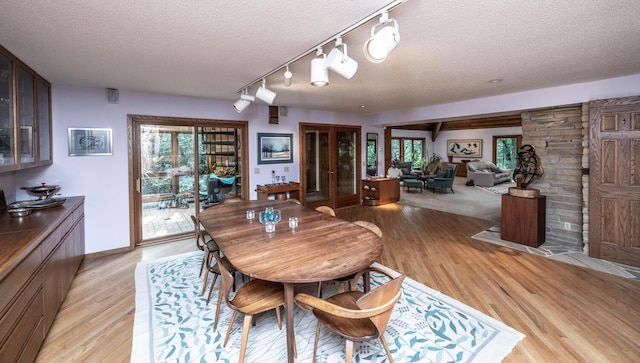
x=138 y=185
x=330 y=172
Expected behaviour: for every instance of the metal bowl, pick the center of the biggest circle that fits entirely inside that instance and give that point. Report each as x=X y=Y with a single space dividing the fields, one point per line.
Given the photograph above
x=19 y=212
x=42 y=191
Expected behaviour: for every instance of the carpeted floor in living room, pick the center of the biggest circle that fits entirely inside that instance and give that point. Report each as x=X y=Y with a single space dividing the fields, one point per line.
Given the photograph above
x=486 y=204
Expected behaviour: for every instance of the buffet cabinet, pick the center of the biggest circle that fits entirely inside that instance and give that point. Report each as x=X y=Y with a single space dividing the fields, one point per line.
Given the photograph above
x=380 y=191
x=39 y=257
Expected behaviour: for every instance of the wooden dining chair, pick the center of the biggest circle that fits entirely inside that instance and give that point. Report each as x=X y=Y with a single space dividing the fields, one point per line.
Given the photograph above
x=356 y=315
x=214 y=266
x=202 y=238
x=253 y=297
x=348 y=280
x=293 y=200
x=231 y=200
x=326 y=210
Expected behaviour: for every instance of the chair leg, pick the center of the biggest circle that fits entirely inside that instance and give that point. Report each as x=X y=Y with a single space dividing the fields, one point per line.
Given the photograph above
x=204 y=280
x=315 y=345
x=386 y=348
x=226 y=337
x=320 y=290
x=279 y=317
x=245 y=336
x=213 y=283
x=218 y=304
x=348 y=351
x=202 y=264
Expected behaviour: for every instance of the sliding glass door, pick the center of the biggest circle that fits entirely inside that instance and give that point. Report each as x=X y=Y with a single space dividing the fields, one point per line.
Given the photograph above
x=175 y=163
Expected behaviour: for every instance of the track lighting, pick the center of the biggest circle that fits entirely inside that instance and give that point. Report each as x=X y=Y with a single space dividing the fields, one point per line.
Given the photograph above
x=288 y=76
x=319 y=71
x=244 y=101
x=339 y=62
x=265 y=94
x=382 y=43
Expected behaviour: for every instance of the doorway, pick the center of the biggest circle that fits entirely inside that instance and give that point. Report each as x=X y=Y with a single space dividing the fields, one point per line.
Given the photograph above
x=330 y=163
x=505 y=150
x=173 y=163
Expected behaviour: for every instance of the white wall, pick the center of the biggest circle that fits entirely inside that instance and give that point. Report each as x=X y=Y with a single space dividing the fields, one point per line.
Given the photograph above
x=103 y=180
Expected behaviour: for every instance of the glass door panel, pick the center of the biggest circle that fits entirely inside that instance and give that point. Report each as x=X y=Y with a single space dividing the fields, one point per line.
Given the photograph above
x=318 y=168
x=346 y=145
x=44 y=122
x=167 y=180
x=26 y=116
x=219 y=164
x=7 y=142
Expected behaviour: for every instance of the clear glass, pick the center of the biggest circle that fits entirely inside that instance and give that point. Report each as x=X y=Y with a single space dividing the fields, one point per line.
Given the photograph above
x=26 y=116
x=7 y=142
x=346 y=173
x=318 y=179
x=44 y=122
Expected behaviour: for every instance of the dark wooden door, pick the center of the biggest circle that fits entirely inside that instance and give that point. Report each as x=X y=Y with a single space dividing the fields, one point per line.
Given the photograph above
x=614 y=183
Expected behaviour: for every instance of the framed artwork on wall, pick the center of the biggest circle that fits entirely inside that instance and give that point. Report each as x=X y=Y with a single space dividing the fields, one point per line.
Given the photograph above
x=89 y=141
x=465 y=148
x=275 y=148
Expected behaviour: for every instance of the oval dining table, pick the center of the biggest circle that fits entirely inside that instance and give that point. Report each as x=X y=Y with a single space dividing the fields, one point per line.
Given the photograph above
x=321 y=248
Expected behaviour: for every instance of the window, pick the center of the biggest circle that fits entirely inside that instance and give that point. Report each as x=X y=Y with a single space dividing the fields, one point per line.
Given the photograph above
x=505 y=150
x=412 y=149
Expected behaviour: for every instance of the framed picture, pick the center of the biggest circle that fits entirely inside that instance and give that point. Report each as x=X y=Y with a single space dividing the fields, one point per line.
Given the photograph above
x=89 y=141
x=275 y=148
x=465 y=148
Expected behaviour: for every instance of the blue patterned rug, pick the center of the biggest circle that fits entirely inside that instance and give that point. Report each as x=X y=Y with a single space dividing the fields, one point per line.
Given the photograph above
x=174 y=324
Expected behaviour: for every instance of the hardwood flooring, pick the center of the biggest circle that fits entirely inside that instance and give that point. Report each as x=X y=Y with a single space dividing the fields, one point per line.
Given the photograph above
x=568 y=313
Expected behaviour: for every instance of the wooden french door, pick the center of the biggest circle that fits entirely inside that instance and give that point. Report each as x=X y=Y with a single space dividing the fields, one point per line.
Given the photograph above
x=614 y=182
x=330 y=165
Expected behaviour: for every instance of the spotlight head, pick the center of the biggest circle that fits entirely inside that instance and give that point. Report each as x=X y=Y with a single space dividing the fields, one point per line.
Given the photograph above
x=319 y=71
x=288 y=77
x=382 y=43
x=264 y=94
x=339 y=62
x=244 y=101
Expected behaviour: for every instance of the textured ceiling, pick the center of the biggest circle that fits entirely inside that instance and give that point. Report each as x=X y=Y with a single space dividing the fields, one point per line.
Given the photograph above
x=449 y=50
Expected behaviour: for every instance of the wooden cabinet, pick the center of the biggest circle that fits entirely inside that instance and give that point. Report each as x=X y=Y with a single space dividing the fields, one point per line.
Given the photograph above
x=39 y=257
x=380 y=191
x=279 y=191
x=523 y=220
x=25 y=115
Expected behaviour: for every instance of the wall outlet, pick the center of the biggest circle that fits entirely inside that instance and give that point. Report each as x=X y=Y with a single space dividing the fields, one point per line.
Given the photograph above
x=256 y=171
x=567 y=226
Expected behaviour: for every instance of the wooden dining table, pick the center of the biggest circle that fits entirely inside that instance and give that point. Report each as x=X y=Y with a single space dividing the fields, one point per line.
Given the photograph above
x=321 y=248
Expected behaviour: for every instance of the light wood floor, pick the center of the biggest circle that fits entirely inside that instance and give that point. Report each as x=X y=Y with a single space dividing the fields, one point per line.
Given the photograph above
x=568 y=313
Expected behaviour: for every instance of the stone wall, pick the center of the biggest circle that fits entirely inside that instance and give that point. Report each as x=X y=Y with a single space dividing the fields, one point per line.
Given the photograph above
x=557 y=135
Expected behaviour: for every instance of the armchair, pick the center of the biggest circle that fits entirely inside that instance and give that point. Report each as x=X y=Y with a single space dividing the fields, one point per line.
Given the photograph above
x=443 y=182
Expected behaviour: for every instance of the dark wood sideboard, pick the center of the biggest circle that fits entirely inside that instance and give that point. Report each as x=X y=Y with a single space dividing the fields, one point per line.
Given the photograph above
x=279 y=191
x=380 y=191
x=39 y=257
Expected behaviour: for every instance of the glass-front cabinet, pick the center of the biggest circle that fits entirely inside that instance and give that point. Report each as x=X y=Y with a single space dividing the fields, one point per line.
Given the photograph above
x=25 y=115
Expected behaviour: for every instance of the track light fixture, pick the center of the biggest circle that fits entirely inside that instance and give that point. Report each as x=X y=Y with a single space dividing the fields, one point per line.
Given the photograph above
x=288 y=77
x=319 y=71
x=265 y=94
x=382 y=43
x=339 y=62
x=244 y=101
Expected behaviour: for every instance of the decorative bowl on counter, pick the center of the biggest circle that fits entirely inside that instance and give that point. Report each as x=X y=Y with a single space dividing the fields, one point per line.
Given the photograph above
x=19 y=212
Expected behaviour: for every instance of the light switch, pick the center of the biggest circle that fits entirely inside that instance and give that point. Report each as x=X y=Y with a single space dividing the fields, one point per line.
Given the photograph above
x=256 y=171
x=286 y=169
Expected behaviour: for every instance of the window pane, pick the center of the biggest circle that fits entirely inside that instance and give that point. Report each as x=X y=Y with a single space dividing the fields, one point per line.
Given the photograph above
x=408 y=150
x=417 y=149
x=395 y=149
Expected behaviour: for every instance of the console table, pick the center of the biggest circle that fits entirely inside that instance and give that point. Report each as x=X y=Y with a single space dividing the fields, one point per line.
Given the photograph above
x=279 y=191
x=523 y=220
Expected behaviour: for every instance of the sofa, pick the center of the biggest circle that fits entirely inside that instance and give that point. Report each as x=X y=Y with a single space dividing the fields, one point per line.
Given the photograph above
x=486 y=174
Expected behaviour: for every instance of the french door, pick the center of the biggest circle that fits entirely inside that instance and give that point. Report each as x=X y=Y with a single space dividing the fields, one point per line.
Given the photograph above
x=330 y=165
x=172 y=161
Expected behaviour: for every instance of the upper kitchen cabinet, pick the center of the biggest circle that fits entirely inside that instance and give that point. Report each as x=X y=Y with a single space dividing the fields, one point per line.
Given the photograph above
x=25 y=115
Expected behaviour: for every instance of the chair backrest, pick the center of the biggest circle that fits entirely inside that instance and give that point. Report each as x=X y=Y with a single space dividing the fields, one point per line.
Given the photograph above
x=231 y=200
x=370 y=226
x=383 y=298
x=227 y=278
x=293 y=200
x=326 y=210
x=200 y=240
x=452 y=169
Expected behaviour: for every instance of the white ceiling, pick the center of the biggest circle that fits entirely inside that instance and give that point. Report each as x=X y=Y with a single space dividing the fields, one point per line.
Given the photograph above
x=449 y=50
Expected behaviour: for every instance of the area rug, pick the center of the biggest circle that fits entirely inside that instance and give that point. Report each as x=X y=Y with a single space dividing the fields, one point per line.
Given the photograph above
x=173 y=323
x=501 y=188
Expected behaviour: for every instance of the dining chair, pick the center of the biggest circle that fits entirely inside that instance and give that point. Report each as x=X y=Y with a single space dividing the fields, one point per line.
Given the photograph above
x=349 y=278
x=326 y=210
x=215 y=265
x=201 y=241
x=253 y=297
x=355 y=315
x=231 y=200
x=293 y=200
